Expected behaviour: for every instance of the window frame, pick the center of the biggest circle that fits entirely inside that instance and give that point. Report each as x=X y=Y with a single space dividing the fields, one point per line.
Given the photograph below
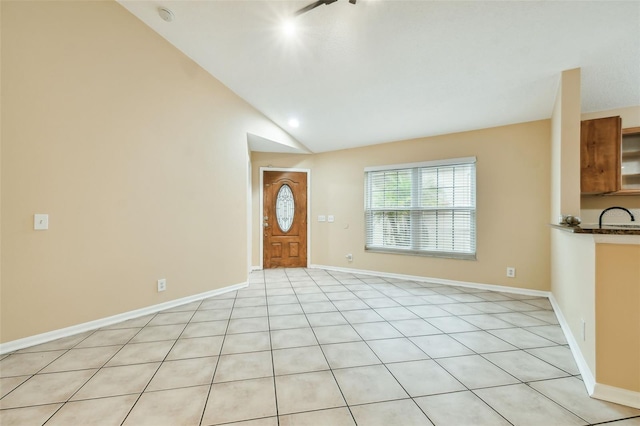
x=414 y=210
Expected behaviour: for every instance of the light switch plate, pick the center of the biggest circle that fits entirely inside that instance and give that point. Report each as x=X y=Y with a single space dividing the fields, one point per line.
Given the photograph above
x=321 y=218
x=40 y=222
x=330 y=218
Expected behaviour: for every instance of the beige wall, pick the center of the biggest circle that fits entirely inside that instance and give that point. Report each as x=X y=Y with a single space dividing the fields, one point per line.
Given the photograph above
x=138 y=156
x=618 y=315
x=512 y=207
x=572 y=255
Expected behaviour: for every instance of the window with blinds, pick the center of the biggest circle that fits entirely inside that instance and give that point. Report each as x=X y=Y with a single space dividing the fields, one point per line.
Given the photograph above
x=422 y=208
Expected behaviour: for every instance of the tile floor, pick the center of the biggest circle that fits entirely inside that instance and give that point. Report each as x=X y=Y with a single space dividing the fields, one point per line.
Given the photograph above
x=313 y=347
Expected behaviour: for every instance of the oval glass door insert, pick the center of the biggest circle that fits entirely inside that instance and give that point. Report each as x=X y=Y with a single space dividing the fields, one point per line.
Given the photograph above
x=285 y=208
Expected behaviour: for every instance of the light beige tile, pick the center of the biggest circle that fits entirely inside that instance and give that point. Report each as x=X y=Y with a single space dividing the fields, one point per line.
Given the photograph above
x=351 y=305
x=459 y=309
x=296 y=337
x=241 y=400
x=317 y=307
x=169 y=407
x=248 y=325
x=546 y=316
x=559 y=356
x=326 y=319
x=204 y=329
x=336 y=334
x=403 y=412
x=171 y=318
x=247 y=302
x=211 y=315
x=490 y=307
x=362 y=316
x=139 y=353
x=113 y=381
x=251 y=365
x=376 y=330
x=396 y=350
x=183 y=373
x=265 y=421
x=312 y=298
x=27 y=416
x=571 y=394
x=487 y=321
x=332 y=416
x=519 y=320
x=381 y=302
x=522 y=338
x=83 y=358
x=8 y=384
x=158 y=333
x=362 y=385
x=249 y=312
x=350 y=354
x=523 y=366
x=196 y=347
x=283 y=322
x=94 y=412
x=46 y=389
x=550 y=332
x=510 y=400
x=396 y=313
x=216 y=304
x=451 y=324
x=246 y=342
x=460 y=408
x=440 y=346
x=289 y=309
x=482 y=342
x=20 y=364
x=429 y=311
x=476 y=372
x=425 y=377
x=307 y=391
x=414 y=327
x=187 y=307
x=109 y=337
x=132 y=323
x=299 y=360
x=58 y=344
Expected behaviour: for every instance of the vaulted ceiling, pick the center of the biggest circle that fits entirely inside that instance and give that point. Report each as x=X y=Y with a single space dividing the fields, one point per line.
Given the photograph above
x=387 y=70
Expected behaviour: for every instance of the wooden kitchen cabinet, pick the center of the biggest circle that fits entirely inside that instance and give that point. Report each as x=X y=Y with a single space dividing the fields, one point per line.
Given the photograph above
x=600 y=158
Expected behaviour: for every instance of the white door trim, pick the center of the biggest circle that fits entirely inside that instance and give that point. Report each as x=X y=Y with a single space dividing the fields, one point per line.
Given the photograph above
x=261 y=211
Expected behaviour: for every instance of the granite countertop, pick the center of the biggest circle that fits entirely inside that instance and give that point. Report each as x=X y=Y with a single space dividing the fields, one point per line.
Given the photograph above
x=588 y=228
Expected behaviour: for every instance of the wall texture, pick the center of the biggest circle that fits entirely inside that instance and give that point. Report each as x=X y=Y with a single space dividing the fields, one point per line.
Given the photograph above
x=513 y=184
x=138 y=156
x=618 y=315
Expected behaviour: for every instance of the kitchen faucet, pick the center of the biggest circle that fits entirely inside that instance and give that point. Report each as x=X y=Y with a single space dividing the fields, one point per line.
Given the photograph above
x=613 y=208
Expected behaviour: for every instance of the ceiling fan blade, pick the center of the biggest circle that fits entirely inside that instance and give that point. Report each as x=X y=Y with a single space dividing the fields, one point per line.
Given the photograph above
x=313 y=6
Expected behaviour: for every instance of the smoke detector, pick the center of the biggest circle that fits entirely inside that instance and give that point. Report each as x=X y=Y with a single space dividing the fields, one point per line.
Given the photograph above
x=165 y=14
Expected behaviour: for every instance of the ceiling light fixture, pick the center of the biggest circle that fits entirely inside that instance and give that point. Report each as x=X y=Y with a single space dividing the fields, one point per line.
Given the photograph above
x=293 y=122
x=165 y=14
x=289 y=27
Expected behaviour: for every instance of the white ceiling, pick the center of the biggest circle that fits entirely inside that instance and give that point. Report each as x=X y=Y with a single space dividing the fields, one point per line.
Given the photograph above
x=387 y=70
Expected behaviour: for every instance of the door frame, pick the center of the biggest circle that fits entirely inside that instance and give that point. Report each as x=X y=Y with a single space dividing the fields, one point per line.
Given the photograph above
x=261 y=211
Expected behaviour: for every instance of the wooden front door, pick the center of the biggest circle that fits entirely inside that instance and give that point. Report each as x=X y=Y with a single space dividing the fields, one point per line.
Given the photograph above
x=284 y=219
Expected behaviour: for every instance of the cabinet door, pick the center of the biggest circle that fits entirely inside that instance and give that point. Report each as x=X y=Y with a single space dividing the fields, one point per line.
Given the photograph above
x=600 y=142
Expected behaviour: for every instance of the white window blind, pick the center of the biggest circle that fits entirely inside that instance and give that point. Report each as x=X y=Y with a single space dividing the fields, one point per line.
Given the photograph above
x=423 y=208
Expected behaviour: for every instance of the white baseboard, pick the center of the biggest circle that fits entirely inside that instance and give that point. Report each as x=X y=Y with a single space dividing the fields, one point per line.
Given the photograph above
x=587 y=375
x=490 y=287
x=256 y=268
x=38 y=339
x=617 y=395
x=594 y=389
